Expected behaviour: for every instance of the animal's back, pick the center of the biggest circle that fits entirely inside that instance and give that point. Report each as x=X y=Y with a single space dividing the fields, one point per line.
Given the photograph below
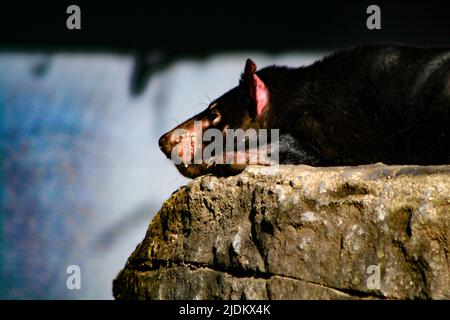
x=387 y=103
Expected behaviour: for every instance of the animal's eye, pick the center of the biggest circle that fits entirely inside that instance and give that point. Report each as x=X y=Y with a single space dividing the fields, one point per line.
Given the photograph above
x=215 y=117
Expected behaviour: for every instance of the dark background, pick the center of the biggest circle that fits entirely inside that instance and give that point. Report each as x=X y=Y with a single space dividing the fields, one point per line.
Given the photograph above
x=199 y=27
x=159 y=33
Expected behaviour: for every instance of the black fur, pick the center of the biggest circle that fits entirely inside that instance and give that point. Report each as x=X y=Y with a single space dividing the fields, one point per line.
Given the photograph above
x=373 y=103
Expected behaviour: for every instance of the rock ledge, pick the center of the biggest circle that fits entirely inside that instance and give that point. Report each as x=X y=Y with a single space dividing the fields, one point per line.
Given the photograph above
x=299 y=232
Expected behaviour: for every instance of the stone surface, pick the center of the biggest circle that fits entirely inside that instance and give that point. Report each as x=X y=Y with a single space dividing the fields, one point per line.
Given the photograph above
x=298 y=232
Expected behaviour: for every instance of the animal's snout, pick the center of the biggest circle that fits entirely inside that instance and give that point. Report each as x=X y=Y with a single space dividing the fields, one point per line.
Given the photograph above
x=187 y=138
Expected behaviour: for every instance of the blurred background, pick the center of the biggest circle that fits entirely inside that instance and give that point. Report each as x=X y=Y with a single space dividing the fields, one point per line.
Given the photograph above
x=81 y=113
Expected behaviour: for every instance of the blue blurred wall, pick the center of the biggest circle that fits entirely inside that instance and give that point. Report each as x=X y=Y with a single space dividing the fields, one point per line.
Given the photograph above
x=81 y=172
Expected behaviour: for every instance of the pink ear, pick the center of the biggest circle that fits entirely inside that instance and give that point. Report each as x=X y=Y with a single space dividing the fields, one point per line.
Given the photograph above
x=257 y=89
x=261 y=94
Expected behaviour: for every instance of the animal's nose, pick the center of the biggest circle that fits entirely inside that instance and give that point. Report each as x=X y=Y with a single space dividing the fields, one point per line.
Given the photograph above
x=163 y=145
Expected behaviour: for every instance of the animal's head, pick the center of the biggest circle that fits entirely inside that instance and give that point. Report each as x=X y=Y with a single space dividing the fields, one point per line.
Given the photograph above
x=243 y=107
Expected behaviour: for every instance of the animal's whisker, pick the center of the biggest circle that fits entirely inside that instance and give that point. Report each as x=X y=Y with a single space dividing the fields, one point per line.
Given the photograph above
x=210 y=100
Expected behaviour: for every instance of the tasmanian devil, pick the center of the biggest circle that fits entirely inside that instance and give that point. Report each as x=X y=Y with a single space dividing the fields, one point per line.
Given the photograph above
x=371 y=103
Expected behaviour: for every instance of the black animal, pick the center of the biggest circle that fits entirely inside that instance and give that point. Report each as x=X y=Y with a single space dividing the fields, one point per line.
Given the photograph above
x=371 y=103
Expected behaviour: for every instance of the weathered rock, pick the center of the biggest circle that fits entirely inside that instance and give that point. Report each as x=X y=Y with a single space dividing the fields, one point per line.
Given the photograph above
x=298 y=232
